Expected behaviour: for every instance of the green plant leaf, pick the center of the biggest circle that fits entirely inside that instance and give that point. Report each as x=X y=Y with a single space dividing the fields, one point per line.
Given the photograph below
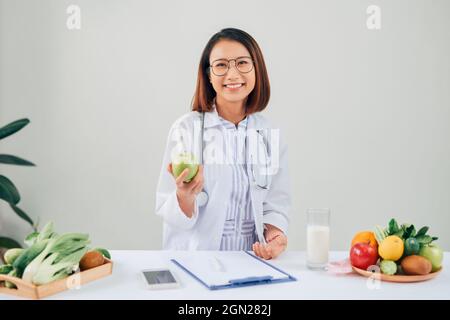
x=424 y=239
x=9 y=243
x=13 y=127
x=399 y=233
x=405 y=226
x=409 y=232
x=8 y=191
x=10 y=159
x=22 y=214
x=393 y=226
x=422 y=231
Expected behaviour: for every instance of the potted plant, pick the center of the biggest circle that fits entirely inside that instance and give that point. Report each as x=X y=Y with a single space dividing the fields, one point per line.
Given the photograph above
x=8 y=191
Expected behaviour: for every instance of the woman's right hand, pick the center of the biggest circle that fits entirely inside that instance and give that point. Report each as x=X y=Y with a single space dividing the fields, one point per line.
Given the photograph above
x=187 y=191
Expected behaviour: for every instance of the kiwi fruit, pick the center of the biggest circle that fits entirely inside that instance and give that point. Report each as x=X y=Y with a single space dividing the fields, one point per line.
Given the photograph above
x=416 y=265
x=91 y=259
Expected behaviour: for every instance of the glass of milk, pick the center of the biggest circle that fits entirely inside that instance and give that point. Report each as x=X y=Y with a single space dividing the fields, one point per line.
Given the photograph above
x=317 y=238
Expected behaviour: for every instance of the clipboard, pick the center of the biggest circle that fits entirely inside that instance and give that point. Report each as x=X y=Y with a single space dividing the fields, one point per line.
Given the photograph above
x=230 y=269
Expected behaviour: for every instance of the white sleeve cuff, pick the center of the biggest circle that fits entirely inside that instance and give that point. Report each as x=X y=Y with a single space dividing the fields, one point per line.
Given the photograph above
x=276 y=219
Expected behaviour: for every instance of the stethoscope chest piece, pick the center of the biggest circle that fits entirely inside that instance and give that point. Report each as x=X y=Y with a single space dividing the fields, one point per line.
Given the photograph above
x=202 y=198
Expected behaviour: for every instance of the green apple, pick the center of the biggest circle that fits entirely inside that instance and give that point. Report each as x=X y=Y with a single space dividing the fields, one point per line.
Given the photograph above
x=434 y=254
x=182 y=161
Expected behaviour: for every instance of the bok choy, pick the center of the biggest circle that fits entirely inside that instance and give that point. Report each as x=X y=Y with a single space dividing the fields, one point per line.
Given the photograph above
x=50 y=256
x=61 y=254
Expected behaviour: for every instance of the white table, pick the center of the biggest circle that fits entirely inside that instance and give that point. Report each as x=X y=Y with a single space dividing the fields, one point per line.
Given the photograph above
x=126 y=282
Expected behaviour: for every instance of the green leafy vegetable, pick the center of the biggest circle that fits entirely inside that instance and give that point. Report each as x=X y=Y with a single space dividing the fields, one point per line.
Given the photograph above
x=409 y=232
x=393 y=227
x=63 y=246
x=380 y=233
x=49 y=256
x=46 y=232
x=31 y=238
x=12 y=254
x=6 y=268
x=27 y=256
x=51 y=270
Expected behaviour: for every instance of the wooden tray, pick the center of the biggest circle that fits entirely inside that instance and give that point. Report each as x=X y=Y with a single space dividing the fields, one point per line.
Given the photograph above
x=28 y=290
x=397 y=278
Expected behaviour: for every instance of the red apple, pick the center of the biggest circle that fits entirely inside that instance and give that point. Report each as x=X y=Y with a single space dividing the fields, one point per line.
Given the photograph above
x=363 y=255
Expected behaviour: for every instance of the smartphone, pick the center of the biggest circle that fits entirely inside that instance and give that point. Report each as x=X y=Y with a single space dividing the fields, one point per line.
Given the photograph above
x=160 y=279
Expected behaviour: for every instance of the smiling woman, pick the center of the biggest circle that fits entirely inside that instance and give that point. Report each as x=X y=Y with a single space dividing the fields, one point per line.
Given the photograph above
x=232 y=67
x=239 y=213
x=231 y=83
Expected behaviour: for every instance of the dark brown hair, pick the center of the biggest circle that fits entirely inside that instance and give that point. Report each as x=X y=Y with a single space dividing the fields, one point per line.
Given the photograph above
x=204 y=95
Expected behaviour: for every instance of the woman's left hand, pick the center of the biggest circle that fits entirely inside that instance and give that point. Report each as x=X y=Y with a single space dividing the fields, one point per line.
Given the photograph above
x=276 y=243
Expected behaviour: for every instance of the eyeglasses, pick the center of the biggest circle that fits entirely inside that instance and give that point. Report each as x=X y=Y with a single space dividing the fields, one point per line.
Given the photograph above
x=221 y=66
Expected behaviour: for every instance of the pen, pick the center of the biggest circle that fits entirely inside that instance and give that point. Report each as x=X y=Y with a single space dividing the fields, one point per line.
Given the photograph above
x=217 y=264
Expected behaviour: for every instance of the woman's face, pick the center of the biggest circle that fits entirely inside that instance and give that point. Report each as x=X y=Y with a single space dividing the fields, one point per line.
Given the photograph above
x=233 y=86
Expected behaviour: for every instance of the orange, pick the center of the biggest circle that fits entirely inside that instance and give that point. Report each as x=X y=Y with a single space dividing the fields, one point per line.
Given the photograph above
x=365 y=237
x=391 y=248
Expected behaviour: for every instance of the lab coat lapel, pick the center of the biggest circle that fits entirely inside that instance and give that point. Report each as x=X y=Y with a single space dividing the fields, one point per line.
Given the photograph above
x=256 y=194
x=217 y=183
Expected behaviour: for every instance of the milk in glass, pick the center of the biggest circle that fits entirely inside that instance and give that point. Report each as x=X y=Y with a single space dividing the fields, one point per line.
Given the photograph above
x=317 y=238
x=318 y=244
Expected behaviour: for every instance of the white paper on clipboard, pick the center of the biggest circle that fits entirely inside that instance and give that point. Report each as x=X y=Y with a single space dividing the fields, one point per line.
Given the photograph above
x=218 y=268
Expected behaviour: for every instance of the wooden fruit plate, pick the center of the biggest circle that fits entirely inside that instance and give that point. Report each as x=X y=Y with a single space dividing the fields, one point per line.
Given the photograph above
x=397 y=278
x=28 y=290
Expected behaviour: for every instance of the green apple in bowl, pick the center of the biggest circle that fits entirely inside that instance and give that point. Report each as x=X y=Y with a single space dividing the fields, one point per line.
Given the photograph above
x=434 y=254
x=182 y=161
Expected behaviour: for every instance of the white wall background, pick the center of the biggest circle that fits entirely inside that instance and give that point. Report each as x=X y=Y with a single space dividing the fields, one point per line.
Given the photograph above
x=366 y=112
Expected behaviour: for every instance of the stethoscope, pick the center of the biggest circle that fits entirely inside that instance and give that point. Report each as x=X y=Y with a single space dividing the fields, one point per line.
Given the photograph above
x=202 y=197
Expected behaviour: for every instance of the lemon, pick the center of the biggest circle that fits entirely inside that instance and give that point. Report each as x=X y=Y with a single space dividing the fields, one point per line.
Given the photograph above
x=391 y=248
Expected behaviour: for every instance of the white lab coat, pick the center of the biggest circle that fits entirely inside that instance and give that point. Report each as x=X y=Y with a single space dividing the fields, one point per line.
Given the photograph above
x=204 y=230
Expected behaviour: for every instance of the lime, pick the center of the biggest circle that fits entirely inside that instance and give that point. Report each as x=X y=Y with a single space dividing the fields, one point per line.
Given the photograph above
x=400 y=269
x=388 y=267
x=412 y=246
